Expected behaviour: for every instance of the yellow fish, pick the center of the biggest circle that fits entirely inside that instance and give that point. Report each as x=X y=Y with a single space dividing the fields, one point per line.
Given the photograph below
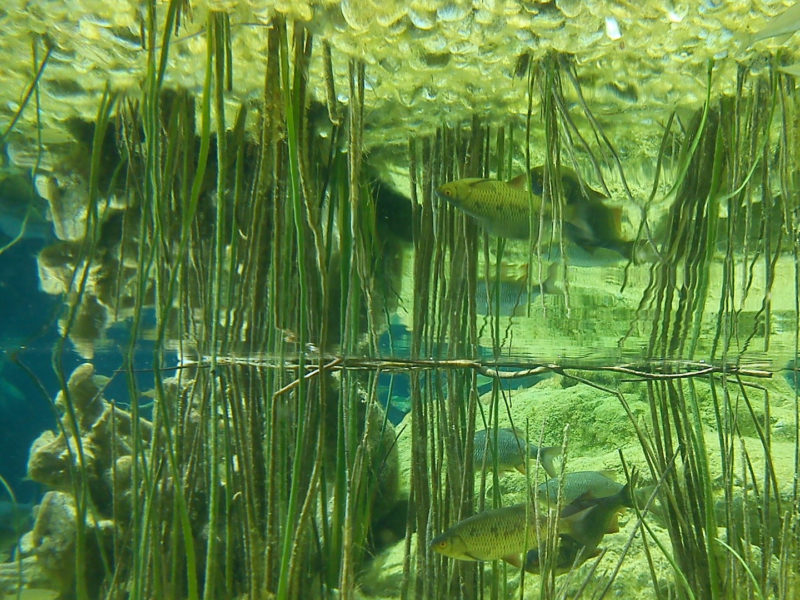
x=509 y=533
x=504 y=533
x=501 y=207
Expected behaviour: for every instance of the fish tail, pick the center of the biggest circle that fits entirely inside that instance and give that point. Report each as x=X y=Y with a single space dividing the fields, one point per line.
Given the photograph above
x=547 y=458
x=625 y=496
x=642 y=494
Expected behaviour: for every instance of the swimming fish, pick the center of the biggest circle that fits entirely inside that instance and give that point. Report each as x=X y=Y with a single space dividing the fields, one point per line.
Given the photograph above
x=501 y=207
x=513 y=452
x=587 y=484
x=582 y=526
x=591 y=518
x=574 y=192
x=509 y=532
x=504 y=533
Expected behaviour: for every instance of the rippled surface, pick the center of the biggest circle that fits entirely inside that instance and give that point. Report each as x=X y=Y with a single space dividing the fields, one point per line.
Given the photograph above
x=427 y=61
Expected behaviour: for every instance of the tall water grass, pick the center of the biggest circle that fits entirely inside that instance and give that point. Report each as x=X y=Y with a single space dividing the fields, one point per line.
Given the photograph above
x=256 y=255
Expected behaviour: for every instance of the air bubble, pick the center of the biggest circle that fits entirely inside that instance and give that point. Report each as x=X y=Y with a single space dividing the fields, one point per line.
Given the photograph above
x=570 y=8
x=452 y=12
x=422 y=19
x=612 y=29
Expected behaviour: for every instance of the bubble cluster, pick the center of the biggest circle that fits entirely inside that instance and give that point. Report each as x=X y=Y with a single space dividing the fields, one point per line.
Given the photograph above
x=427 y=61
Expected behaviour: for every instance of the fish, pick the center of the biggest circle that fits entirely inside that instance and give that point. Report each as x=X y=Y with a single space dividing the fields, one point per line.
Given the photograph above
x=589 y=222
x=591 y=518
x=500 y=533
x=509 y=533
x=501 y=207
x=15 y=519
x=574 y=188
x=513 y=452
x=584 y=522
x=578 y=484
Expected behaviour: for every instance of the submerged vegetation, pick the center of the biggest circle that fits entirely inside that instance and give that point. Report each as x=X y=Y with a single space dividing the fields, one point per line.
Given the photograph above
x=260 y=249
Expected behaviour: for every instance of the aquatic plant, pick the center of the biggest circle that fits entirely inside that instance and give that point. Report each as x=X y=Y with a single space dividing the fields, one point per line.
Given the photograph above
x=252 y=243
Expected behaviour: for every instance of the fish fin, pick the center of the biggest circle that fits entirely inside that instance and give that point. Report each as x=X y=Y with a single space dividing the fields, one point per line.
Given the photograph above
x=613 y=524
x=521 y=467
x=577 y=226
x=593 y=225
x=518 y=182
x=579 y=524
x=581 y=503
x=587 y=553
x=626 y=495
x=513 y=560
x=532 y=561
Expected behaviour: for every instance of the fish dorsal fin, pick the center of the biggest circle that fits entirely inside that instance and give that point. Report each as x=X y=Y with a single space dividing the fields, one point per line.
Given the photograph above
x=581 y=503
x=518 y=182
x=609 y=473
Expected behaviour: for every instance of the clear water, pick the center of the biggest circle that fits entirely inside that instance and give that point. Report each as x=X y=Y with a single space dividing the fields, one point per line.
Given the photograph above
x=429 y=63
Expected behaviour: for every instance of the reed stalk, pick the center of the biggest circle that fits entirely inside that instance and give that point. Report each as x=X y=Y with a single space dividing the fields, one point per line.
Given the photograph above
x=260 y=262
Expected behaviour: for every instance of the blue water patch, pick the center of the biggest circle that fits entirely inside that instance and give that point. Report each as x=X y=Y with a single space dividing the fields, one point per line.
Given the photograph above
x=394 y=389
x=791 y=373
x=28 y=384
x=27 y=334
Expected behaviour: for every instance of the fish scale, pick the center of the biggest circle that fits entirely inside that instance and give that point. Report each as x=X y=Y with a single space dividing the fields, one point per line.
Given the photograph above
x=506 y=533
x=491 y=535
x=502 y=208
x=513 y=452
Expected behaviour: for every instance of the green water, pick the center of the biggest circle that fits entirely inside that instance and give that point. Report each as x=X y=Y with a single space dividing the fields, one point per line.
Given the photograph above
x=244 y=193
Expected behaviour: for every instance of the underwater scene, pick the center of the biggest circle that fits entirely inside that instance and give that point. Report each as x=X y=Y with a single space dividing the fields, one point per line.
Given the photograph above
x=382 y=299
